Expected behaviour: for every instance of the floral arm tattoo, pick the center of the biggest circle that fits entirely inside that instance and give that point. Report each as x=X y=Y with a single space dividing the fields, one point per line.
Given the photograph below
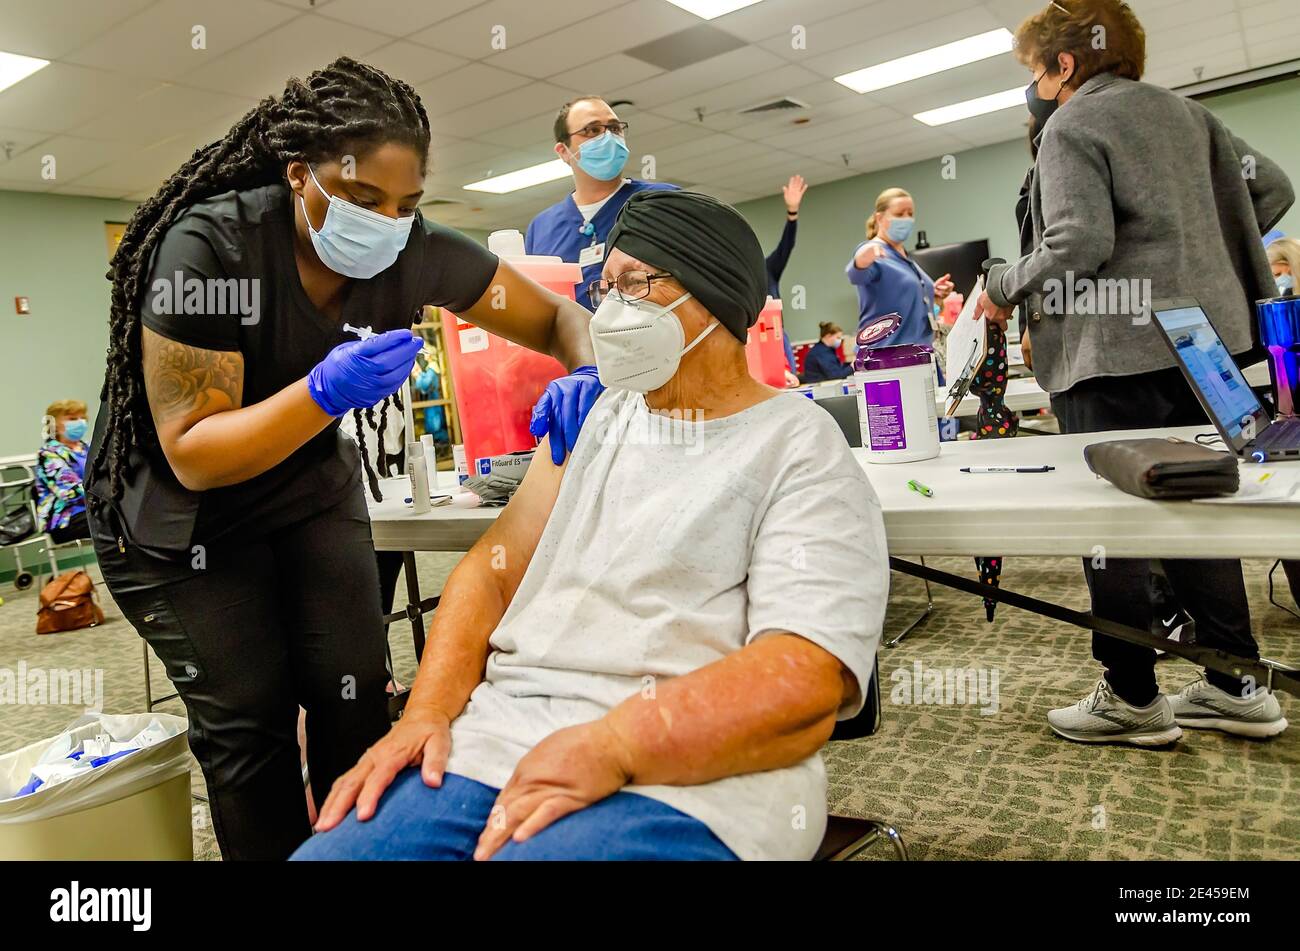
x=181 y=380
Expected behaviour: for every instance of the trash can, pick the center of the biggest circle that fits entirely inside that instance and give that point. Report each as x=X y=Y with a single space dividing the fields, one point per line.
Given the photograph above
x=136 y=806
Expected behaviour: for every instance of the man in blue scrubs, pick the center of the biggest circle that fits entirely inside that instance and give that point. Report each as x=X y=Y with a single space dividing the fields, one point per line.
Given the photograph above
x=589 y=138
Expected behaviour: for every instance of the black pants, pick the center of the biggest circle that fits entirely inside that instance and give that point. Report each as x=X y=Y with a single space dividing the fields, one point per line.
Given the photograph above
x=1212 y=591
x=261 y=628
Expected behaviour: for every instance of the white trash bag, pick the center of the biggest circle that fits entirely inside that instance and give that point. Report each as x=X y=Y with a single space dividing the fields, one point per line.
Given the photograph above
x=160 y=753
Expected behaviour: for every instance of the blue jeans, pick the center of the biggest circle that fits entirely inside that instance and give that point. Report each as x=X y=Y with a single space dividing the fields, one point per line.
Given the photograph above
x=416 y=822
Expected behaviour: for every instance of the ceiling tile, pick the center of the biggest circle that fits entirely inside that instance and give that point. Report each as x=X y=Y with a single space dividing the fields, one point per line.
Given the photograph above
x=498 y=27
x=605 y=73
x=596 y=36
x=412 y=63
x=471 y=83
x=699 y=78
x=52 y=30
x=505 y=110
x=161 y=112
x=303 y=45
x=61 y=96
x=397 y=18
x=158 y=43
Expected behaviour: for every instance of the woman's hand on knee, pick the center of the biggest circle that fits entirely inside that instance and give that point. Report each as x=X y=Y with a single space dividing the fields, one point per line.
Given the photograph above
x=420 y=738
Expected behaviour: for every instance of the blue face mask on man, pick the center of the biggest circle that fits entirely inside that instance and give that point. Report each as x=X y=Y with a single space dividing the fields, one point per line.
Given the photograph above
x=355 y=241
x=603 y=157
x=74 y=430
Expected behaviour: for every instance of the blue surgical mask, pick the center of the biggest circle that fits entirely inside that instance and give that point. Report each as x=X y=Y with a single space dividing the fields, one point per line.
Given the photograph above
x=355 y=241
x=1285 y=283
x=900 y=229
x=74 y=430
x=603 y=157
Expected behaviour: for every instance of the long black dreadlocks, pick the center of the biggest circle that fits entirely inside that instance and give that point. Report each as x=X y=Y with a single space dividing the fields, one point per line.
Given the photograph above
x=346 y=108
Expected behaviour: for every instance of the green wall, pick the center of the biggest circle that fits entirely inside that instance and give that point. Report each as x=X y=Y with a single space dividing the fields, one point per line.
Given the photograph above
x=53 y=251
x=978 y=203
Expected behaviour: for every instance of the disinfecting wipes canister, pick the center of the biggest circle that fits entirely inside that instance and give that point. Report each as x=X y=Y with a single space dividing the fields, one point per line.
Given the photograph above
x=896 y=403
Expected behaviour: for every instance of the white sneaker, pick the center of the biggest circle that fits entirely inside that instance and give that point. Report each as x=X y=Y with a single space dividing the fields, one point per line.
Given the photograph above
x=1202 y=706
x=1102 y=717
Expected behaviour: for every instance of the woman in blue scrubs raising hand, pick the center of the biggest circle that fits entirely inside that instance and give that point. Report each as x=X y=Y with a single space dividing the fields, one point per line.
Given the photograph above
x=887 y=280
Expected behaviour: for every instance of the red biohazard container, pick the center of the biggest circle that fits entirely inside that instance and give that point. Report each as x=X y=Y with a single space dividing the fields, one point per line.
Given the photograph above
x=765 y=350
x=498 y=382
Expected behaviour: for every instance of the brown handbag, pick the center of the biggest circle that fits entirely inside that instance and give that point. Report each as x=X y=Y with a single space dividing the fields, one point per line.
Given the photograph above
x=68 y=603
x=1169 y=468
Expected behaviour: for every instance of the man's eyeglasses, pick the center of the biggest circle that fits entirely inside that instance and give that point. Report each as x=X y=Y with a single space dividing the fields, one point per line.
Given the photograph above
x=630 y=285
x=593 y=129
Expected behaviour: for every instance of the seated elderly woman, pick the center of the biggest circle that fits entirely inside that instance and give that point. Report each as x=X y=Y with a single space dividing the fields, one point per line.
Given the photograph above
x=643 y=655
x=61 y=471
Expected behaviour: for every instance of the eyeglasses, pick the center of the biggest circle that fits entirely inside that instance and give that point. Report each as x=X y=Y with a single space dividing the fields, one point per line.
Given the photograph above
x=593 y=129
x=630 y=285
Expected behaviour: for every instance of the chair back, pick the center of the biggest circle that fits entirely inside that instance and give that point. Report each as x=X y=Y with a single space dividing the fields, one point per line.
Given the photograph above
x=868 y=721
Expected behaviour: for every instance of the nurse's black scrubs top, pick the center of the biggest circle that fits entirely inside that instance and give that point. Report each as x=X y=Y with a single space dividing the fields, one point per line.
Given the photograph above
x=249 y=235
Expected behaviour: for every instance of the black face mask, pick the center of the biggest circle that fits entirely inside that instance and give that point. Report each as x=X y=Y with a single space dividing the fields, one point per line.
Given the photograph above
x=1041 y=109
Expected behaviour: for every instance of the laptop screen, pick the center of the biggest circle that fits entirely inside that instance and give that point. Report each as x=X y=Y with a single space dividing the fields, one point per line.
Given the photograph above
x=1224 y=391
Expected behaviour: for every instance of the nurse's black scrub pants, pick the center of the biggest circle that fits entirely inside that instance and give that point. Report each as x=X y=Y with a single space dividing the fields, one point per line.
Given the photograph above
x=291 y=618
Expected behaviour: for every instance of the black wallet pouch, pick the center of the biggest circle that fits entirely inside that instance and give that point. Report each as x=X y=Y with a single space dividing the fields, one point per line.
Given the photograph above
x=1167 y=468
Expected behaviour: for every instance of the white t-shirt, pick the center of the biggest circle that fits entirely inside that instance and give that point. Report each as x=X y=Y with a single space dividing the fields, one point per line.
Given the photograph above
x=672 y=544
x=589 y=211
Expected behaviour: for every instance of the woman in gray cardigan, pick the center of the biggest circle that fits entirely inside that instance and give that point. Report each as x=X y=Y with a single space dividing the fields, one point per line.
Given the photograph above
x=1138 y=194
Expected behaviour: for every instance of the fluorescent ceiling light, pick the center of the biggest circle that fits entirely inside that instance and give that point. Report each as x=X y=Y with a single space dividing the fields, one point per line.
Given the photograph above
x=712 y=9
x=14 y=68
x=523 y=178
x=973 y=107
x=928 y=62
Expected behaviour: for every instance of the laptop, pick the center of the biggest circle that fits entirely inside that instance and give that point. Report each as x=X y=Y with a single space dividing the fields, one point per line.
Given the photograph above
x=1218 y=383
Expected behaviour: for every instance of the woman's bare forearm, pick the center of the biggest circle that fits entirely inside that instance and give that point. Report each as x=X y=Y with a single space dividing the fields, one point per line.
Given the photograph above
x=234 y=446
x=570 y=339
x=768 y=706
x=211 y=439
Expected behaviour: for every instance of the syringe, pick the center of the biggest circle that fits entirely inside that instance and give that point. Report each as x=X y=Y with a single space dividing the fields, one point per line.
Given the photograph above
x=365 y=333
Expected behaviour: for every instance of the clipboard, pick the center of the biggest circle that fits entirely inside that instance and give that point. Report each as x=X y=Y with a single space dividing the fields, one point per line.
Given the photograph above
x=967 y=342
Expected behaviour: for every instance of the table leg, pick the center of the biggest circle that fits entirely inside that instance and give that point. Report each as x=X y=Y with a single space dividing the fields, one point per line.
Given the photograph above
x=929 y=607
x=413 y=611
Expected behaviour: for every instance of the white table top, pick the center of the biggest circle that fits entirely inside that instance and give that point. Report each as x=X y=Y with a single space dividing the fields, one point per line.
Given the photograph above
x=1066 y=512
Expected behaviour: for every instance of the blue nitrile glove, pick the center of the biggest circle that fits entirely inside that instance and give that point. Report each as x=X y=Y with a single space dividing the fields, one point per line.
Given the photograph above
x=360 y=373
x=563 y=409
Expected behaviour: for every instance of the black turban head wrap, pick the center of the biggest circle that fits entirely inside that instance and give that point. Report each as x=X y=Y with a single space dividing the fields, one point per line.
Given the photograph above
x=705 y=244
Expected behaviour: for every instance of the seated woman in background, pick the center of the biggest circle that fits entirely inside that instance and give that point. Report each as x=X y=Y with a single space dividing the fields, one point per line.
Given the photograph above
x=60 y=469
x=1284 y=259
x=822 y=361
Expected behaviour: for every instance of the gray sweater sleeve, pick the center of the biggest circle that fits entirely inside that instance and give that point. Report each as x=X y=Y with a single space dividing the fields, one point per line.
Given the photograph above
x=1270 y=190
x=1077 y=214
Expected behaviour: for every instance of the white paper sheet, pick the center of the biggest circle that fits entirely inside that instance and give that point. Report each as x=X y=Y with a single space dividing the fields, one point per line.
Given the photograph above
x=965 y=340
x=1275 y=487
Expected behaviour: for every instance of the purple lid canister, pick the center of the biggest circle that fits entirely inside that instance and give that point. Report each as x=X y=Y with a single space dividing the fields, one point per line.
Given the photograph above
x=891 y=358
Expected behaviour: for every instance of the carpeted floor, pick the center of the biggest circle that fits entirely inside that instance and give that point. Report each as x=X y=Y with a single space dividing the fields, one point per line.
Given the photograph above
x=958 y=782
